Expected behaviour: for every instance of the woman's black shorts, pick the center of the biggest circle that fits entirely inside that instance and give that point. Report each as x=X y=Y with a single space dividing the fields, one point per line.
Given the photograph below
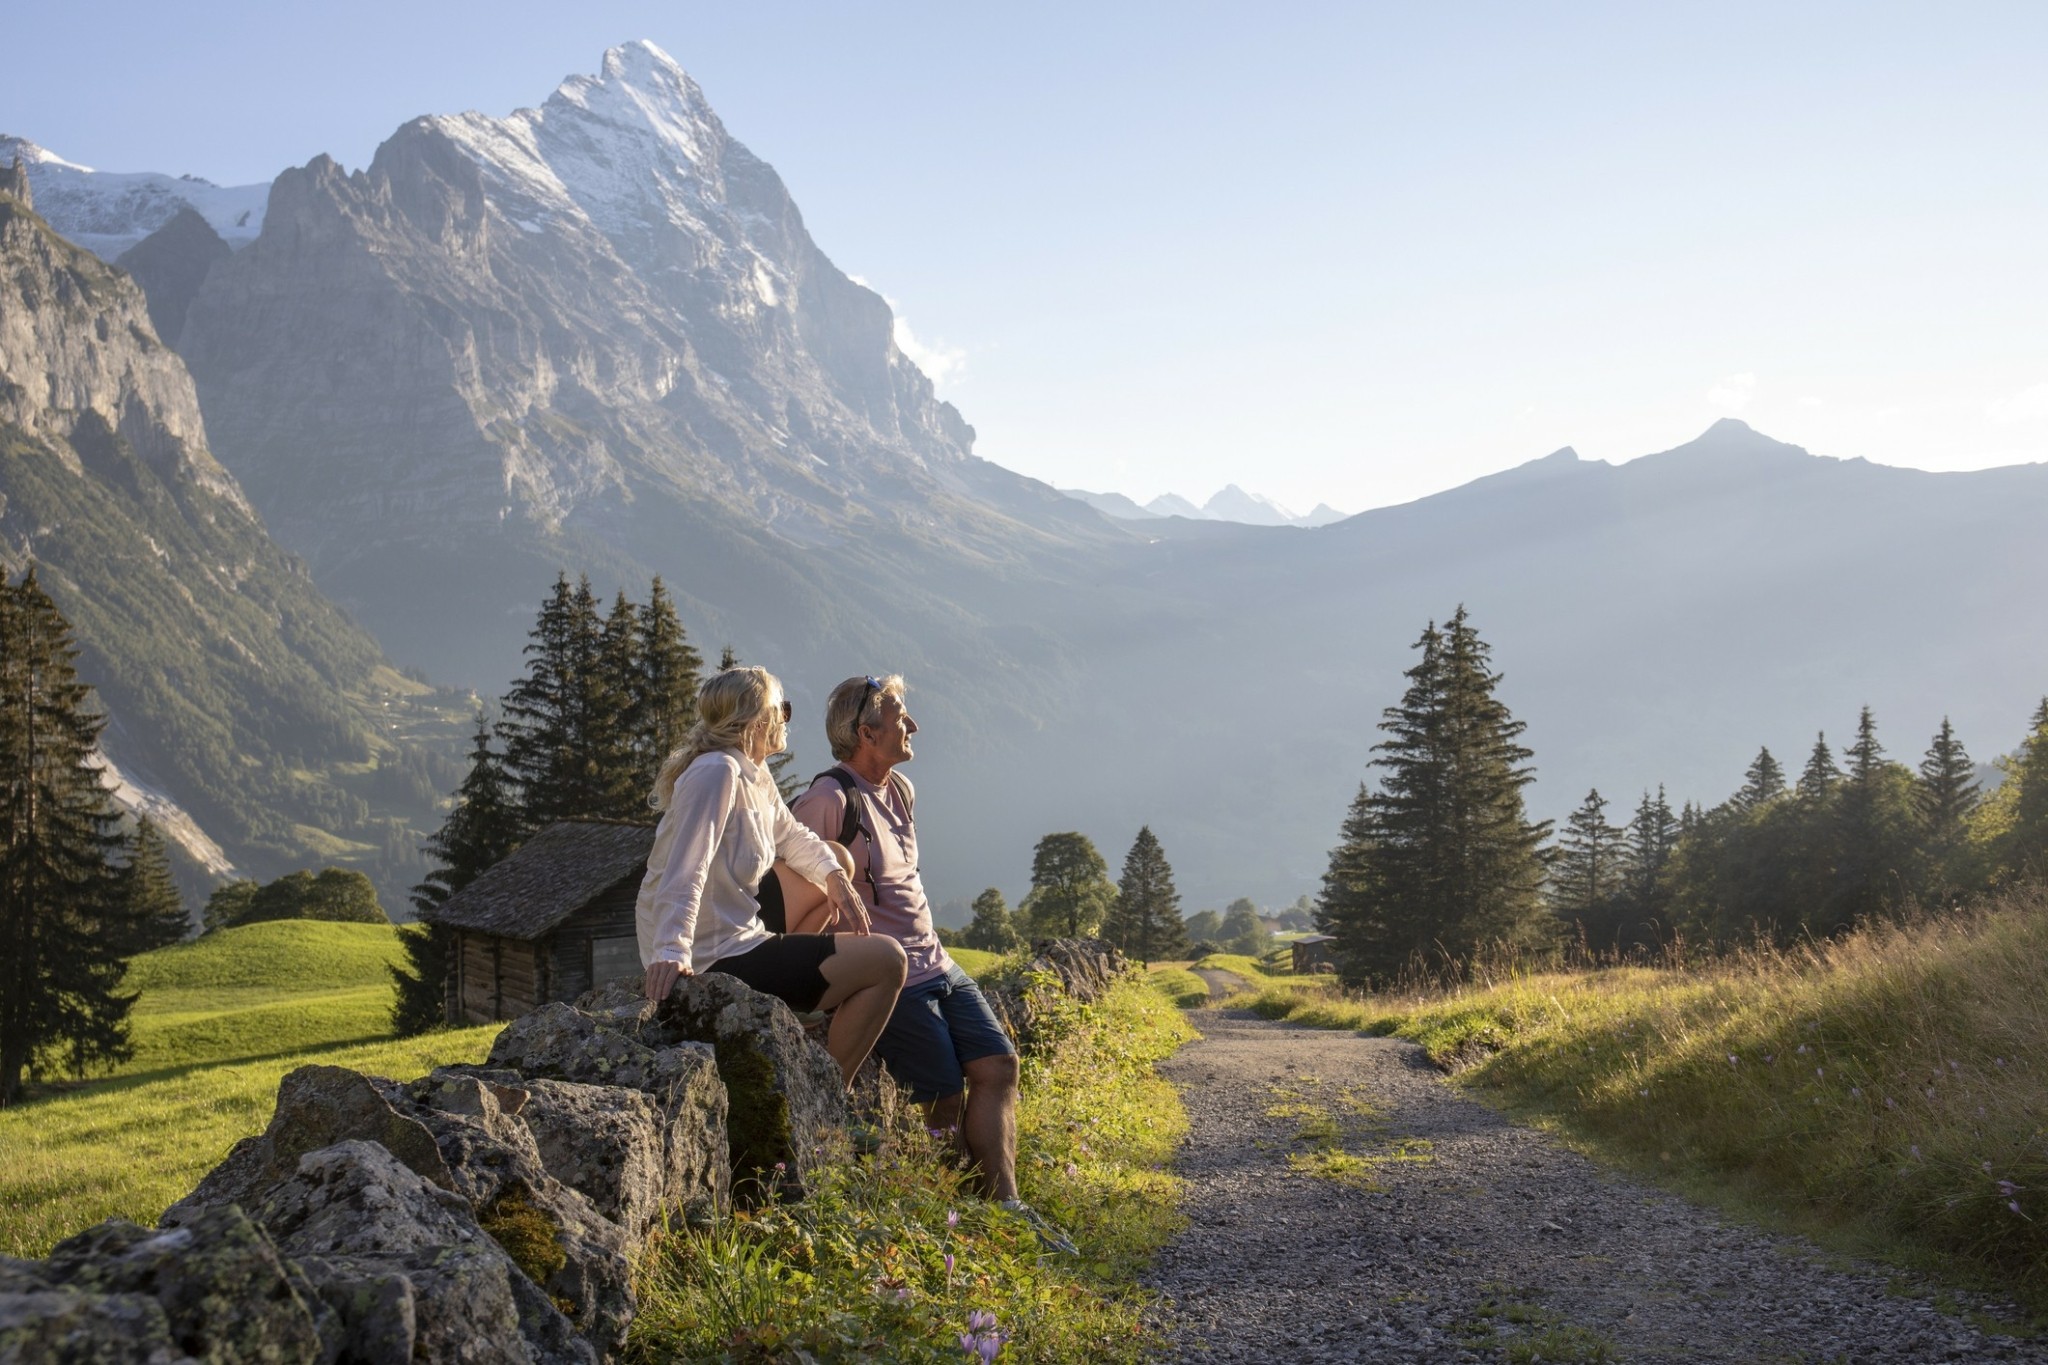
x=786 y=966
x=769 y=894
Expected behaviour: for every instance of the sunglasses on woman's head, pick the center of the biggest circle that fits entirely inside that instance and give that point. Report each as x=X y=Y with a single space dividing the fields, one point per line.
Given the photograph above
x=787 y=710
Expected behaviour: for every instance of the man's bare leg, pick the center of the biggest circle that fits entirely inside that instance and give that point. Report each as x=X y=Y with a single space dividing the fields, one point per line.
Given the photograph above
x=988 y=1130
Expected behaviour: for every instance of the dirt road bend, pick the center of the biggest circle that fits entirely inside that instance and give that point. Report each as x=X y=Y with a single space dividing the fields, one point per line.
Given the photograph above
x=1347 y=1204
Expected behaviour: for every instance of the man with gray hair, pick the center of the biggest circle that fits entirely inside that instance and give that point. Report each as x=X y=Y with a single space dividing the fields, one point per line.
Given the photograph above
x=942 y=1044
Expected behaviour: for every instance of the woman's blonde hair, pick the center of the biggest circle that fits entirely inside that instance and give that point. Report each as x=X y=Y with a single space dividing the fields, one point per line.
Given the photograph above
x=728 y=706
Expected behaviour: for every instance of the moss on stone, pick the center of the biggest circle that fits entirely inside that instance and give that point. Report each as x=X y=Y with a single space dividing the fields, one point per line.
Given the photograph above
x=529 y=1236
x=757 y=1118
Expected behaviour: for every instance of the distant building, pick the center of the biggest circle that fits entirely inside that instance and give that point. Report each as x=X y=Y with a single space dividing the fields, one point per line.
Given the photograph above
x=548 y=923
x=1312 y=953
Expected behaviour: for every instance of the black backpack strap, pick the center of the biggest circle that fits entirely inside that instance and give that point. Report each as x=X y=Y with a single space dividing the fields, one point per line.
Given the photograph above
x=849 y=825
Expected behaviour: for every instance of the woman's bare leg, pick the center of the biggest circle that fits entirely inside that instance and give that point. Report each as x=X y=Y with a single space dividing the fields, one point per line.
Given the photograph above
x=863 y=977
x=805 y=908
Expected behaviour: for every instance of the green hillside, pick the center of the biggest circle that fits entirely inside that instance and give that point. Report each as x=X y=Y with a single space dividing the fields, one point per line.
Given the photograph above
x=219 y=1023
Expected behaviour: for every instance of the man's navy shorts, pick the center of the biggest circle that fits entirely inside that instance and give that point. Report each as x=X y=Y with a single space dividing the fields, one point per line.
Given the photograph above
x=939 y=1027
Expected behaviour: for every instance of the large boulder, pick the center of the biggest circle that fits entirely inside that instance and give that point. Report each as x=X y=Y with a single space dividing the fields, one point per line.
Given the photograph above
x=408 y=1271
x=788 y=1112
x=460 y=1135
x=786 y=1108
x=216 y=1290
x=592 y=1141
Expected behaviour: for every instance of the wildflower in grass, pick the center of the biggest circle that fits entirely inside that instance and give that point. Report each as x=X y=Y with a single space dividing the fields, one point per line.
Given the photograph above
x=2014 y=1205
x=1820 y=1073
x=1733 y=1059
x=982 y=1341
x=1986 y=1165
x=949 y=1267
x=952 y=1218
x=2007 y=1188
x=1770 y=1059
x=1955 y=1065
x=1073 y=1171
x=1930 y=1094
x=1888 y=1103
x=1802 y=1049
x=1644 y=1093
x=1856 y=1092
x=1998 y=1061
x=1915 y=1150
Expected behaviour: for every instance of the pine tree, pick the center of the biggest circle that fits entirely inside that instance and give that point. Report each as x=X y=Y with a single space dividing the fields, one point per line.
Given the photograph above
x=1870 y=848
x=1945 y=797
x=1147 y=911
x=153 y=914
x=61 y=892
x=992 y=930
x=2023 y=848
x=1817 y=781
x=481 y=830
x=1653 y=837
x=1070 y=888
x=1762 y=784
x=1451 y=859
x=1588 y=872
x=615 y=697
x=670 y=674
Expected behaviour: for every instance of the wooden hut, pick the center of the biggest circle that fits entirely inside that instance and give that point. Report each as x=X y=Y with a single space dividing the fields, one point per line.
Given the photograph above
x=548 y=923
x=1312 y=954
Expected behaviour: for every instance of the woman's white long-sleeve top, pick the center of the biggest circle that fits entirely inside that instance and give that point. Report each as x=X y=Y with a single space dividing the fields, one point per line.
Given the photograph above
x=724 y=828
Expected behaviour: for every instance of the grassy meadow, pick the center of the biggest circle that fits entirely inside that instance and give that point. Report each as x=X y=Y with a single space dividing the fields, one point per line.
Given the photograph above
x=219 y=1023
x=891 y=1258
x=1885 y=1092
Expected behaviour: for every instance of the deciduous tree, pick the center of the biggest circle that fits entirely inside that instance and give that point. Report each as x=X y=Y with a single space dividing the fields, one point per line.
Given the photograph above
x=1070 y=887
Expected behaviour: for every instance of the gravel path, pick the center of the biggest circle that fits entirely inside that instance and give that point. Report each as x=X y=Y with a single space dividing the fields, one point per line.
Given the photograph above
x=1222 y=985
x=1432 y=1229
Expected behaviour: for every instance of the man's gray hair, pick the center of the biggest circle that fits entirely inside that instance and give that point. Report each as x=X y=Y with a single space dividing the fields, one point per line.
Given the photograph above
x=853 y=702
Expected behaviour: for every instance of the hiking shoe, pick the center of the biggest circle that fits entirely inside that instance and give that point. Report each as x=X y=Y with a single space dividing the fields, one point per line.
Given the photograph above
x=1049 y=1237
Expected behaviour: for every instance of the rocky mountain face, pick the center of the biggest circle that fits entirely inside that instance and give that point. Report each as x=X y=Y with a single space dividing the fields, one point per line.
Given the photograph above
x=595 y=331
x=241 y=700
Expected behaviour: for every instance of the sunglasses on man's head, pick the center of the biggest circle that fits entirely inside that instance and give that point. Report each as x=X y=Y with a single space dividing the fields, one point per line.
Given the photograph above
x=874 y=686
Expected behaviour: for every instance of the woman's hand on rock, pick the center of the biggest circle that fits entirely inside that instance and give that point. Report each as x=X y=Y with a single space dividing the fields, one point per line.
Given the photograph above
x=662 y=978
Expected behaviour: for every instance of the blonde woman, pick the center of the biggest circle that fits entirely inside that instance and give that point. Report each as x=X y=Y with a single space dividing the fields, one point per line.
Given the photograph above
x=723 y=829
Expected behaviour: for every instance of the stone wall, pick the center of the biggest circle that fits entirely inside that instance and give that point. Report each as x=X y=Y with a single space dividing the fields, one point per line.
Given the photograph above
x=479 y=1213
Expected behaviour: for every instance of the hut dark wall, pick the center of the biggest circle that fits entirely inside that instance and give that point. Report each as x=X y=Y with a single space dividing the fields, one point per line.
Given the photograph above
x=598 y=943
x=498 y=977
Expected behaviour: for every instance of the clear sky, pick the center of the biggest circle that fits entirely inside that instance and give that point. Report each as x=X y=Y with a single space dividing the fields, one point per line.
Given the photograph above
x=1343 y=253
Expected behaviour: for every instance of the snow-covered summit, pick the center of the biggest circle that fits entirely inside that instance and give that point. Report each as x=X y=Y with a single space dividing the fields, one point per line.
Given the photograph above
x=106 y=212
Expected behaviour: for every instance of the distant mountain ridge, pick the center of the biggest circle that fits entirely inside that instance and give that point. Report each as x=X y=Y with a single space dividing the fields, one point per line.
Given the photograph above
x=596 y=336
x=1229 y=503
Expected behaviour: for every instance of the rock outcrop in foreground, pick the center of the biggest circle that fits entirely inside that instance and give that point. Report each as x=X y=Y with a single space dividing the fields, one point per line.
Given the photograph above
x=479 y=1214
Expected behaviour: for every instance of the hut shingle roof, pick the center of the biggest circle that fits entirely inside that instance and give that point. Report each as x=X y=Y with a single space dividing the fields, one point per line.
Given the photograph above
x=549 y=878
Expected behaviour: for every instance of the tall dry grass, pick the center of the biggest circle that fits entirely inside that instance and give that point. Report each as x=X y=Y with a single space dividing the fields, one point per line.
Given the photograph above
x=1886 y=1090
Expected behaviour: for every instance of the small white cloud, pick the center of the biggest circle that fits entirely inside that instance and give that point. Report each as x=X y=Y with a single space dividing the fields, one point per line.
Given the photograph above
x=2028 y=405
x=1812 y=400
x=1732 y=393
x=939 y=361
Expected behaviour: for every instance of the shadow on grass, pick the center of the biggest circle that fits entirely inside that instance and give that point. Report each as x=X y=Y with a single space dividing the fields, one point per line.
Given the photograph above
x=49 y=1091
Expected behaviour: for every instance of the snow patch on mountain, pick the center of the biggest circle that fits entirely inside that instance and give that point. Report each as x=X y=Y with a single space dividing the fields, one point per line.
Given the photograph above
x=106 y=212
x=1229 y=503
